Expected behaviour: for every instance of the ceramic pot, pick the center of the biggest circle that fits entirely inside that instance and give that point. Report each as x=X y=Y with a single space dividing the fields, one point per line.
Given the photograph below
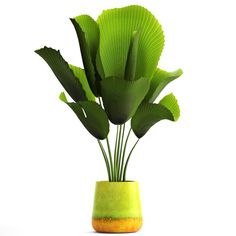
x=117 y=207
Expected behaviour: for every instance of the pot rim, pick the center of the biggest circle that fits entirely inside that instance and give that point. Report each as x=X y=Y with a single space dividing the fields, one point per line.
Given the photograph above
x=117 y=182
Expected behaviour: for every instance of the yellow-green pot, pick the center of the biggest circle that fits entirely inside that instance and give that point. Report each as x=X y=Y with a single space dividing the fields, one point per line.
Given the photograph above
x=117 y=207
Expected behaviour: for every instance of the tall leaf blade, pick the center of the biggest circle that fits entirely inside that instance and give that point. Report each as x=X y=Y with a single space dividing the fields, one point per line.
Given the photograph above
x=90 y=28
x=91 y=115
x=159 y=81
x=149 y=114
x=63 y=73
x=86 y=56
x=121 y=97
x=92 y=35
x=116 y=27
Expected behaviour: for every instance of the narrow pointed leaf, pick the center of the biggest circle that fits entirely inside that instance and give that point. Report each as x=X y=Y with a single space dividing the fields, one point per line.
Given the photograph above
x=116 y=27
x=91 y=31
x=121 y=97
x=91 y=115
x=159 y=81
x=86 y=56
x=149 y=114
x=132 y=57
x=80 y=74
x=63 y=73
x=90 y=28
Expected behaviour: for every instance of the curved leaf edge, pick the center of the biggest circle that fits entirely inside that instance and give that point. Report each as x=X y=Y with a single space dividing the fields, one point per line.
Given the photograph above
x=148 y=114
x=80 y=95
x=159 y=81
x=79 y=109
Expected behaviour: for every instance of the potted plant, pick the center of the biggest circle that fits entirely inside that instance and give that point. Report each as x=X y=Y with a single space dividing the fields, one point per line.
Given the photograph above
x=118 y=86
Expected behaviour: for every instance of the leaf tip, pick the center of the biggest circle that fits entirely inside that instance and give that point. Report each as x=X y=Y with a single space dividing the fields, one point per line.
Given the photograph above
x=62 y=97
x=74 y=22
x=179 y=72
x=171 y=103
x=39 y=50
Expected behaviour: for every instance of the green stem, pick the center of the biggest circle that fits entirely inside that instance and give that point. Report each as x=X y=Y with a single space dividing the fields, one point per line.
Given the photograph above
x=110 y=157
x=118 y=153
x=115 y=152
x=127 y=161
x=123 y=155
x=121 y=150
x=109 y=149
x=105 y=158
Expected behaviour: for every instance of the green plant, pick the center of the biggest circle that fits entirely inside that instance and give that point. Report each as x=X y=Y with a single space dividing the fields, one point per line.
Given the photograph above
x=119 y=82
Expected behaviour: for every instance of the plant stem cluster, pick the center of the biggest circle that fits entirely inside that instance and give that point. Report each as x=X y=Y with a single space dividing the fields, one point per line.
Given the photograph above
x=117 y=164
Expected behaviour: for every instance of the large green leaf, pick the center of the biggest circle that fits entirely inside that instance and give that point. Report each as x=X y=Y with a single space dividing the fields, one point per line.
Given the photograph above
x=63 y=73
x=159 y=81
x=131 y=63
x=121 y=97
x=116 y=28
x=92 y=116
x=149 y=114
x=80 y=74
x=86 y=54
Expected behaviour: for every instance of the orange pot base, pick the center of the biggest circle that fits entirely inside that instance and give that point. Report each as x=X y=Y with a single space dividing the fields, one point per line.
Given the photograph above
x=111 y=225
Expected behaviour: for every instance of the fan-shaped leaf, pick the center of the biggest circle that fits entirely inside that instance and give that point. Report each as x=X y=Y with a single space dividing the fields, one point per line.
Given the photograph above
x=149 y=114
x=85 y=52
x=132 y=57
x=80 y=74
x=63 y=73
x=121 y=97
x=116 y=28
x=159 y=81
x=92 y=116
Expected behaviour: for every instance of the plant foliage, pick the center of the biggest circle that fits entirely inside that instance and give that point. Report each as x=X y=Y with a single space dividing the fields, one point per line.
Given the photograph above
x=120 y=80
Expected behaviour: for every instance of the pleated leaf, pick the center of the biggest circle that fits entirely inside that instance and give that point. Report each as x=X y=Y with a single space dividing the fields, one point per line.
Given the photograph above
x=132 y=57
x=116 y=28
x=121 y=97
x=63 y=73
x=149 y=114
x=91 y=115
x=86 y=56
x=99 y=65
x=80 y=74
x=159 y=81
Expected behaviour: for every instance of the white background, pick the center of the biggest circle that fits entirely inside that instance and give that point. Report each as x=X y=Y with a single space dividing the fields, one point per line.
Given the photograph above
x=48 y=162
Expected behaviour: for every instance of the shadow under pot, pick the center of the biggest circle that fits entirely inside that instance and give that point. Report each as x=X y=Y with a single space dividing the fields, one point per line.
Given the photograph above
x=117 y=207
